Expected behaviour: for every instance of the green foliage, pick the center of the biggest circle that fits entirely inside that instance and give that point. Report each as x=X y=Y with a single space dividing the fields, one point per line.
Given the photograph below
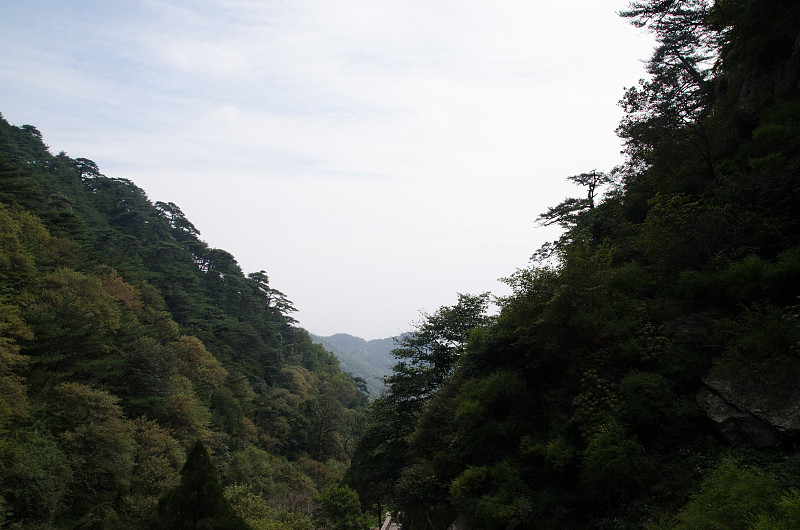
x=731 y=497
x=428 y=358
x=339 y=509
x=672 y=232
x=266 y=475
x=157 y=460
x=196 y=363
x=258 y=513
x=575 y=216
x=124 y=338
x=36 y=477
x=613 y=465
x=428 y=355
x=647 y=401
x=493 y=497
x=184 y=412
x=99 y=445
x=787 y=516
x=596 y=405
x=13 y=392
x=74 y=321
x=199 y=501
x=483 y=409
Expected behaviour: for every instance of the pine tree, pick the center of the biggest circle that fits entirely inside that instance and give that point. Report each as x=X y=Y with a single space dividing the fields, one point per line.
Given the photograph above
x=198 y=502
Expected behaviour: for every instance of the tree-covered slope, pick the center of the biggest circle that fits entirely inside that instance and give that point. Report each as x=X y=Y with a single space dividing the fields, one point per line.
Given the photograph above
x=124 y=339
x=644 y=372
x=370 y=360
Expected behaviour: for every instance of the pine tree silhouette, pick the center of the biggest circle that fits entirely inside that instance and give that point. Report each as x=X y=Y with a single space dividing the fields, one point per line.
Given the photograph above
x=198 y=503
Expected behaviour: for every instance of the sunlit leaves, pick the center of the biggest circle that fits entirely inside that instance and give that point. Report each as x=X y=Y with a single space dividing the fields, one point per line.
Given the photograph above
x=157 y=459
x=184 y=413
x=195 y=362
x=339 y=509
x=75 y=313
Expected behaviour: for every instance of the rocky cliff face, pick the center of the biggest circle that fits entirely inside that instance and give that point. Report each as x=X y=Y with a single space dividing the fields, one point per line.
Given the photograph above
x=754 y=402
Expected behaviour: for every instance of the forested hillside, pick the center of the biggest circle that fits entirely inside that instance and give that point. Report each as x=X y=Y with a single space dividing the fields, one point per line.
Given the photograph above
x=645 y=370
x=125 y=339
x=370 y=360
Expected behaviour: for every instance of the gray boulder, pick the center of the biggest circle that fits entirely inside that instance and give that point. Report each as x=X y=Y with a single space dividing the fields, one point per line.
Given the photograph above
x=754 y=402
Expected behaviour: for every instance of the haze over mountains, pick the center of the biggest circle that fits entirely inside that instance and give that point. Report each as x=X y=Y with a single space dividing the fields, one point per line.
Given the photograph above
x=370 y=359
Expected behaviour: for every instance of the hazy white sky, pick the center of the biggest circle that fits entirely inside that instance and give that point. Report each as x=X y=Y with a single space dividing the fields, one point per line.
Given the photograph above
x=375 y=157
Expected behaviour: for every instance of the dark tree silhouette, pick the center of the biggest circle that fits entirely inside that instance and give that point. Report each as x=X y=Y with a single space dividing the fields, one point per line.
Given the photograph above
x=198 y=502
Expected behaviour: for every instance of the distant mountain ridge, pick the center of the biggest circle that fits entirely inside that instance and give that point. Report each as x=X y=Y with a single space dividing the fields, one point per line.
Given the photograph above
x=370 y=359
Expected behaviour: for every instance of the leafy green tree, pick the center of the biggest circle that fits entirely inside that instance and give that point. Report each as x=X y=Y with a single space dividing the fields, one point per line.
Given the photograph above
x=13 y=391
x=226 y=412
x=199 y=365
x=339 y=509
x=184 y=413
x=493 y=497
x=685 y=38
x=16 y=184
x=666 y=113
x=483 y=406
x=574 y=215
x=199 y=501
x=260 y=515
x=427 y=356
x=26 y=247
x=74 y=320
x=613 y=465
x=380 y=455
x=326 y=414
x=35 y=478
x=567 y=214
x=254 y=468
x=647 y=401
x=176 y=218
x=98 y=442
x=87 y=169
x=272 y=301
x=383 y=459
x=145 y=372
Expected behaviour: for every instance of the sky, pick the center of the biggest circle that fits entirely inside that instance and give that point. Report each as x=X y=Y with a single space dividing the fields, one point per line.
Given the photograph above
x=374 y=157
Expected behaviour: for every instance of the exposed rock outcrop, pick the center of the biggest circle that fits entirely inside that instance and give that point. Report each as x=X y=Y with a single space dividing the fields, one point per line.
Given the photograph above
x=755 y=402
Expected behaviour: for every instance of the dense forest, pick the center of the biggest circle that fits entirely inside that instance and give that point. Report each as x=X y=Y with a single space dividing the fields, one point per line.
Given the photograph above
x=644 y=372
x=142 y=370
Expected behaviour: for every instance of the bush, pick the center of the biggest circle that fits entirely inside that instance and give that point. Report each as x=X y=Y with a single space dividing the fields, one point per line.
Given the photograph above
x=646 y=400
x=613 y=465
x=339 y=509
x=787 y=517
x=732 y=497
